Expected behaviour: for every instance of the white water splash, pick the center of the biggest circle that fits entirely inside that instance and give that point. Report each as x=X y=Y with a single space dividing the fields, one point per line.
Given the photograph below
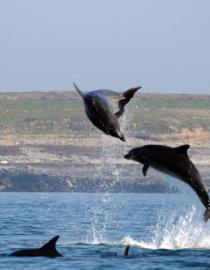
x=110 y=170
x=185 y=232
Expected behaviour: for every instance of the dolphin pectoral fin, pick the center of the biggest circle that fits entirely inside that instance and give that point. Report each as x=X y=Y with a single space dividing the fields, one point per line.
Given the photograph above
x=144 y=169
x=125 y=98
x=207 y=214
x=78 y=90
x=182 y=149
x=119 y=113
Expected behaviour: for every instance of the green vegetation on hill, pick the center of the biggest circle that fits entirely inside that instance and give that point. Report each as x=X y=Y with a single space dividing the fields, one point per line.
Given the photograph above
x=150 y=113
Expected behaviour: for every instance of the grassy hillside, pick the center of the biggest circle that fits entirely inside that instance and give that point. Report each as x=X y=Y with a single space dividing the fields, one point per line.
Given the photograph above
x=149 y=114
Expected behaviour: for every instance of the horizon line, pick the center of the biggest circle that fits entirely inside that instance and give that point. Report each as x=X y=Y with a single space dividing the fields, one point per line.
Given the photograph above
x=63 y=90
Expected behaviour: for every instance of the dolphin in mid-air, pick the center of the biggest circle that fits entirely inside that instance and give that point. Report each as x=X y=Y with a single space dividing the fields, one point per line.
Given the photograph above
x=174 y=162
x=48 y=250
x=100 y=112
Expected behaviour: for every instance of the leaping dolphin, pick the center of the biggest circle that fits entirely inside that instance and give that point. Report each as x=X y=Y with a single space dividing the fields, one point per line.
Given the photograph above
x=48 y=250
x=174 y=162
x=100 y=112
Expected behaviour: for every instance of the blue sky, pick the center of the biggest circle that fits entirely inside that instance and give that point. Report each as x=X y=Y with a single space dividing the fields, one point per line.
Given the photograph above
x=163 y=45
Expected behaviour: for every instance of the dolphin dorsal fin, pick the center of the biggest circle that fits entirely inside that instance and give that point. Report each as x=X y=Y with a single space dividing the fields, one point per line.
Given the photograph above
x=182 y=149
x=78 y=90
x=126 y=251
x=51 y=245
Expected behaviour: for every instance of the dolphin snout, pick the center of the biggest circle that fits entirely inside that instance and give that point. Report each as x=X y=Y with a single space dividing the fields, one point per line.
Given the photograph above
x=127 y=156
x=122 y=138
x=120 y=135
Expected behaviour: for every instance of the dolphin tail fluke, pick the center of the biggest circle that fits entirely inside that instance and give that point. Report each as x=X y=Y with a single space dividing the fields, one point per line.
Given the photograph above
x=50 y=247
x=125 y=98
x=126 y=251
x=78 y=90
x=207 y=214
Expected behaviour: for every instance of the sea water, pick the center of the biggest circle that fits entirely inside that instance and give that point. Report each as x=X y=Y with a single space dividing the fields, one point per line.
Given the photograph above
x=164 y=231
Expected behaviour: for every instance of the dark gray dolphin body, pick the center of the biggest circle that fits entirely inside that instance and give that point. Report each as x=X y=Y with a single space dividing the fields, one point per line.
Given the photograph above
x=48 y=250
x=100 y=112
x=174 y=162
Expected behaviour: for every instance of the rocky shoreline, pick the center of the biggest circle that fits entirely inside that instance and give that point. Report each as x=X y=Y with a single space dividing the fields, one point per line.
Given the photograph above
x=64 y=163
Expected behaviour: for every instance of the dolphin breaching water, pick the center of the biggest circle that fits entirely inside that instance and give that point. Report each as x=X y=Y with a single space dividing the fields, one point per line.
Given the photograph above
x=174 y=162
x=100 y=112
x=48 y=250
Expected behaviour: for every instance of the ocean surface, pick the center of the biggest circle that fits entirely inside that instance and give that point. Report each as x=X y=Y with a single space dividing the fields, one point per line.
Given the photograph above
x=164 y=231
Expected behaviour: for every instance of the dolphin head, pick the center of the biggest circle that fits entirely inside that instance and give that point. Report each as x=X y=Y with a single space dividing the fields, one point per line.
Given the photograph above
x=136 y=154
x=131 y=155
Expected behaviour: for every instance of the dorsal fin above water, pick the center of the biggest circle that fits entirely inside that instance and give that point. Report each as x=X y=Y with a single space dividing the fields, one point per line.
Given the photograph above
x=51 y=245
x=182 y=149
x=126 y=251
x=47 y=250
